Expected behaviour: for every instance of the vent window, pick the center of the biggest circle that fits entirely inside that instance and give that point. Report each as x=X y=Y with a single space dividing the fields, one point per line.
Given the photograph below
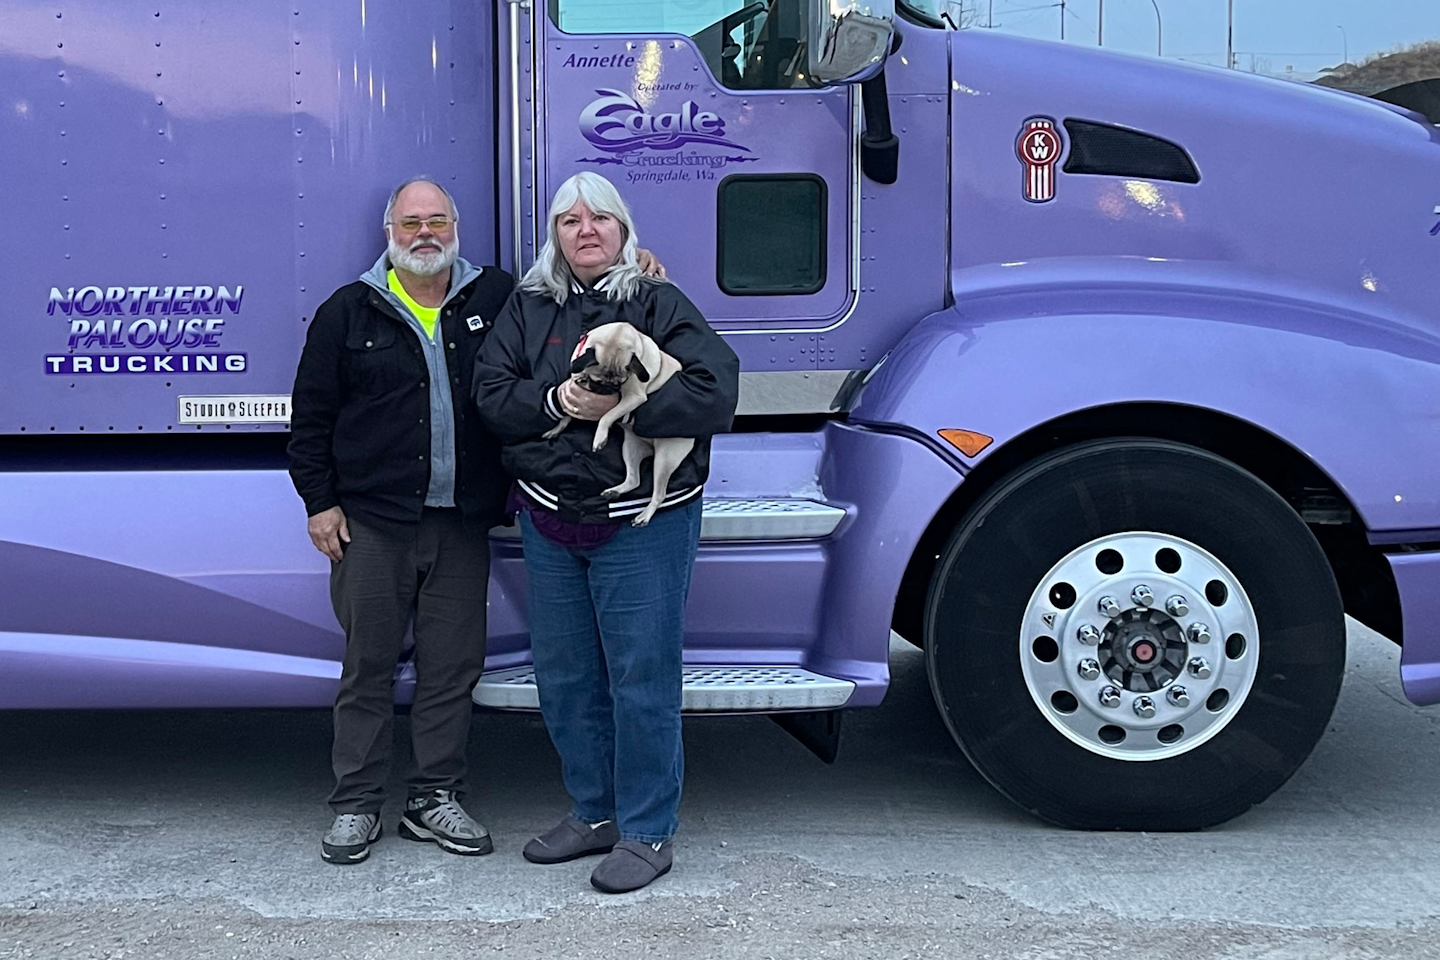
x=1099 y=148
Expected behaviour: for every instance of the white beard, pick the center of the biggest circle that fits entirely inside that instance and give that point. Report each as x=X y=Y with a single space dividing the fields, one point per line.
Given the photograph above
x=425 y=263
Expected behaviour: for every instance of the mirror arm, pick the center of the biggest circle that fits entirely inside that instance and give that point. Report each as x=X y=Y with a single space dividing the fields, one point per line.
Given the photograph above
x=879 y=147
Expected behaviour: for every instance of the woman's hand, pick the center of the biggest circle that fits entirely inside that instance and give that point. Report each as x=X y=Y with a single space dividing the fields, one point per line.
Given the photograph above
x=576 y=401
x=649 y=266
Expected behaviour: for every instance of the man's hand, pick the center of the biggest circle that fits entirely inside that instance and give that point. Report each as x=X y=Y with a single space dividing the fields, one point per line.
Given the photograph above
x=649 y=266
x=581 y=404
x=328 y=529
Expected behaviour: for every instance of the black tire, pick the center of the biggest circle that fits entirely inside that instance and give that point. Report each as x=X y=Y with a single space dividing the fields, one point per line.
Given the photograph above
x=1041 y=512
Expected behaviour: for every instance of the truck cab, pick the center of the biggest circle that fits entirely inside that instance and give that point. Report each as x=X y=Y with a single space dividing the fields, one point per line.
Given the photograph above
x=1108 y=381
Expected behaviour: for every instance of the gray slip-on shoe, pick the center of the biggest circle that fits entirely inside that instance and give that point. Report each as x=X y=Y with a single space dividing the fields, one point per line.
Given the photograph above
x=349 y=838
x=632 y=865
x=571 y=839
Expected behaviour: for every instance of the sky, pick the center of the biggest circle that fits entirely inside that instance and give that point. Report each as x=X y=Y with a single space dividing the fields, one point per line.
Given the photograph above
x=1270 y=35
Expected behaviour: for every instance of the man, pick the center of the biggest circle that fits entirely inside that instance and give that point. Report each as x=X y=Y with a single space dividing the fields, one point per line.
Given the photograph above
x=401 y=485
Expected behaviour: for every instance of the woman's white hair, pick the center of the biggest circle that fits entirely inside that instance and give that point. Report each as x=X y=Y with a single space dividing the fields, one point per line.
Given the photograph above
x=551 y=276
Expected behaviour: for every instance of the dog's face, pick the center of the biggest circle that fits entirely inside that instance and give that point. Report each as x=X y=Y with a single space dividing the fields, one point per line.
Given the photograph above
x=609 y=359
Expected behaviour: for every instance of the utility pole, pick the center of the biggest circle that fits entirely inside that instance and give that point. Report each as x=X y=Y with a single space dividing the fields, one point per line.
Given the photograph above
x=1159 y=30
x=1346 y=40
x=1062 y=19
x=991 y=21
x=1230 y=37
x=1100 y=32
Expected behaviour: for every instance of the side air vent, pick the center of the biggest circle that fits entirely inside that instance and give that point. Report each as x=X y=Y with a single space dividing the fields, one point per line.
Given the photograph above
x=1116 y=152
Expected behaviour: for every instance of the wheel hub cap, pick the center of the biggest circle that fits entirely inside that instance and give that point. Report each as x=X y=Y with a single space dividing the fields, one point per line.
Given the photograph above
x=1142 y=650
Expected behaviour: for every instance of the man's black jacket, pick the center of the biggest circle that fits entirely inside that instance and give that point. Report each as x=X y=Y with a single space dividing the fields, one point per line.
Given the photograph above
x=360 y=417
x=528 y=355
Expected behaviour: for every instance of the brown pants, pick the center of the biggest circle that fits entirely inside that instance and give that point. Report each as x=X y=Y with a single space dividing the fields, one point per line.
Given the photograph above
x=433 y=574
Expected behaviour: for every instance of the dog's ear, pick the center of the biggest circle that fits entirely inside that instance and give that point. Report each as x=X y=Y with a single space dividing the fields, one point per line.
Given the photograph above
x=585 y=359
x=638 y=368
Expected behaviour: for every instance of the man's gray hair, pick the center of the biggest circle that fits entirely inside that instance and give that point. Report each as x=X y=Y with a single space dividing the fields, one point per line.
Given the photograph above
x=395 y=195
x=550 y=275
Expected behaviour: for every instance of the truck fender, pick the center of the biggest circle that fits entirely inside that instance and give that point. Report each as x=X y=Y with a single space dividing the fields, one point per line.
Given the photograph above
x=1359 y=399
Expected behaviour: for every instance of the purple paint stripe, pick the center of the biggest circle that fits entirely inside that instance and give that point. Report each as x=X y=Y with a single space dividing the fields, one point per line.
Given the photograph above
x=53 y=592
x=1403 y=537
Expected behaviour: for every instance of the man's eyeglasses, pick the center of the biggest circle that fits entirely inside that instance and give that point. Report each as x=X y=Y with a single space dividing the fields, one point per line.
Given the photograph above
x=412 y=224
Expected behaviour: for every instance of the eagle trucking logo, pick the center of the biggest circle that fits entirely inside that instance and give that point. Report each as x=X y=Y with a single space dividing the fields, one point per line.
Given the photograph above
x=632 y=136
x=617 y=122
x=1039 y=150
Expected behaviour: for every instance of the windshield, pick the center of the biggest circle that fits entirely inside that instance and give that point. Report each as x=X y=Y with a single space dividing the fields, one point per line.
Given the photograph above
x=929 y=12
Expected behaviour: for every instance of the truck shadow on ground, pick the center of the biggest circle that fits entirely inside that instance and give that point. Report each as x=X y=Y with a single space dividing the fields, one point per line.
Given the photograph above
x=738 y=769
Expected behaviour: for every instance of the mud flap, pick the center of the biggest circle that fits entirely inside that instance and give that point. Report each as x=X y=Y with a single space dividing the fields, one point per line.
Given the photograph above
x=818 y=731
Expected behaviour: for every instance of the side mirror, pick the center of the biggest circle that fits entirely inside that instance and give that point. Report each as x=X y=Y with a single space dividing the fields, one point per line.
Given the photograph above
x=849 y=39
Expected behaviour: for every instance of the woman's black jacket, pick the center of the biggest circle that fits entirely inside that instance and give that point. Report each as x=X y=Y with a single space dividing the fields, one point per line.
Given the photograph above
x=527 y=355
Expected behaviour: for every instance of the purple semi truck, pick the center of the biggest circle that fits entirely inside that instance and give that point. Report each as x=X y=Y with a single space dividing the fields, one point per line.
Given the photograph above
x=1112 y=383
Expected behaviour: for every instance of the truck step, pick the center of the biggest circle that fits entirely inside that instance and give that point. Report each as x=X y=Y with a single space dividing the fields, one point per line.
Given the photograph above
x=751 y=519
x=708 y=689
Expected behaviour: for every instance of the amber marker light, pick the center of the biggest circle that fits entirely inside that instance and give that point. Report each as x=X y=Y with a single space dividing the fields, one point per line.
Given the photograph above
x=967 y=442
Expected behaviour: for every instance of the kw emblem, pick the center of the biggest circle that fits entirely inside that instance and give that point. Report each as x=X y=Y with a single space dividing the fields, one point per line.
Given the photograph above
x=1039 y=149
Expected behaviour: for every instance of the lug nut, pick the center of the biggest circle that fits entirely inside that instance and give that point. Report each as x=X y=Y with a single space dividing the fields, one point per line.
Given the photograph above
x=1178 y=696
x=1088 y=634
x=1110 y=697
x=1144 y=707
x=1177 y=607
x=1142 y=596
x=1199 y=667
x=1109 y=607
x=1198 y=633
x=1089 y=669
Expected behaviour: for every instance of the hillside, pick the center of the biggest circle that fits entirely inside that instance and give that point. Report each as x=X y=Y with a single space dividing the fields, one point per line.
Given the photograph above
x=1376 y=74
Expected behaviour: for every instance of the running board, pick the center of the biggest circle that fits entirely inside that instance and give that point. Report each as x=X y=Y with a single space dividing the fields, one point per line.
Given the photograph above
x=735 y=519
x=708 y=689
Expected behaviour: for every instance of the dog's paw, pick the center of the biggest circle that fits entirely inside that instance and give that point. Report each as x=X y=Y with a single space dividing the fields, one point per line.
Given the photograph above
x=611 y=493
x=640 y=521
x=600 y=440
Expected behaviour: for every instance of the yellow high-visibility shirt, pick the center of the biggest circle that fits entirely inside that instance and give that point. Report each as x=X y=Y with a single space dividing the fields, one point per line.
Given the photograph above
x=426 y=315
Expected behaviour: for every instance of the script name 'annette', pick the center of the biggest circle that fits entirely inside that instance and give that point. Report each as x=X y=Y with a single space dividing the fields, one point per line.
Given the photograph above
x=185 y=301
x=610 y=60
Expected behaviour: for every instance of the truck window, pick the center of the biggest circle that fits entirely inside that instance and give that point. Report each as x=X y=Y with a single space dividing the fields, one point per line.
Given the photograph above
x=759 y=45
x=771 y=234
x=933 y=13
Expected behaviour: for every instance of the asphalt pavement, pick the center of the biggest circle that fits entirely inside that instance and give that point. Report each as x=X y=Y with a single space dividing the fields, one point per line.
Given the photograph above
x=196 y=835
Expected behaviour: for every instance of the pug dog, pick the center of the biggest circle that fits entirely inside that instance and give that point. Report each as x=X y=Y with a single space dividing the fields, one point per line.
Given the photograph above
x=617 y=358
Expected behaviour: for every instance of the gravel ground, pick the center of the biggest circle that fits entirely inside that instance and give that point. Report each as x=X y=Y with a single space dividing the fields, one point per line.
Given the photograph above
x=195 y=835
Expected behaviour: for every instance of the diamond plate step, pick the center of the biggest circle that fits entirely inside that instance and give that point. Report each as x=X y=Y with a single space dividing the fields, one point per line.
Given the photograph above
x=737 y=519
x=708 y=689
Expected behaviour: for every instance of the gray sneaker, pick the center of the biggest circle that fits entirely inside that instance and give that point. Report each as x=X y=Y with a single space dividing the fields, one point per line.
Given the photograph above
x=350 y=837
x=440 y=818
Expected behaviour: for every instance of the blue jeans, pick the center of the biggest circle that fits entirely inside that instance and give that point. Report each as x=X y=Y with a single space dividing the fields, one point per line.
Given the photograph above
x=607 y=632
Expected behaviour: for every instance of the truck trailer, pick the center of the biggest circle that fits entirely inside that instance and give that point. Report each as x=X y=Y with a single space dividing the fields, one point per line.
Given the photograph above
x=1111 y=382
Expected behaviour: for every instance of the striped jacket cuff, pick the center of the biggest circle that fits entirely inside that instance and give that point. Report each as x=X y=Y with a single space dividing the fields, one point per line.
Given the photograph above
x=552 y=403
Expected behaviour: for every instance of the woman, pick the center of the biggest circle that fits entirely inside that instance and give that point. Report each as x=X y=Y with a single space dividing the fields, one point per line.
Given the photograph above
x=607 y=599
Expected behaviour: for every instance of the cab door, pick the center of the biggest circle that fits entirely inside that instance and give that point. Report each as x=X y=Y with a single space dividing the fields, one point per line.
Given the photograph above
x=739 y=168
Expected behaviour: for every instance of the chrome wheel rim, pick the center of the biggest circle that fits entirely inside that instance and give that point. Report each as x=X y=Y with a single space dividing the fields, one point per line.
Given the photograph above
x=1139 y=646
